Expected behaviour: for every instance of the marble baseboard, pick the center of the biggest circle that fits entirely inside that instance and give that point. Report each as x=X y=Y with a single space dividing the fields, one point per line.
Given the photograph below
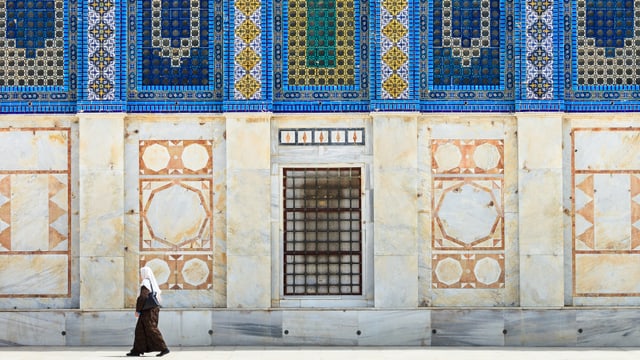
x=593 y=327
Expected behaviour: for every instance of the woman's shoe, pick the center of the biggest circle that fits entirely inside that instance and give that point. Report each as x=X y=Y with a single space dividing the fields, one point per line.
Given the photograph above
x=132 y=353
x=163 y=352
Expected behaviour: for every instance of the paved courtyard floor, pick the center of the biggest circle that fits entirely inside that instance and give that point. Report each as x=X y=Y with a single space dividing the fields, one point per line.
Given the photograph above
x=328 y=353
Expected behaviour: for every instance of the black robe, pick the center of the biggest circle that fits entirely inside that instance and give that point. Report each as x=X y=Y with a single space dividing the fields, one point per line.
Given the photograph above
x=147 y=336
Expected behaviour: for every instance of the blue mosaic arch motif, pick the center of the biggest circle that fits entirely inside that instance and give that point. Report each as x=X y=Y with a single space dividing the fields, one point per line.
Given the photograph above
x=467 y=55
x=38 y=55
x=321 y=55
x=603 y=45
x=175 y=55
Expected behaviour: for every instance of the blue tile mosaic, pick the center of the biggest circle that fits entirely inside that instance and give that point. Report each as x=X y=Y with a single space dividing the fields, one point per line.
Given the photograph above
x=339 y=86
x=38 y=57
x=468 y=56
x=540 y=50
x=175 y=55
x=317 y=56
x=602 y=64
x=101 y=50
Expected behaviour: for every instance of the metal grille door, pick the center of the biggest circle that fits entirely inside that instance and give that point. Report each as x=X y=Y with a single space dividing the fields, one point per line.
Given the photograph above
x=322 y=231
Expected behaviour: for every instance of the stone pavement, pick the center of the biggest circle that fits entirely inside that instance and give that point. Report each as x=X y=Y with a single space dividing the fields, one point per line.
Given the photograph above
x=328 y=353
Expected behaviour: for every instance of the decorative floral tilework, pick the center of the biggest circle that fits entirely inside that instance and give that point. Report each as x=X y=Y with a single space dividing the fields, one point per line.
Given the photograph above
x=101 y=47
x=247 y=49
x=539 y=41
x=394 y=43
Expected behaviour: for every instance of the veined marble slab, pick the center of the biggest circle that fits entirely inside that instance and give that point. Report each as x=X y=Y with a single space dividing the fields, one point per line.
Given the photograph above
x=606 y=149
x=247 y=327
x=540 y=328
x=607 y=274
x=616 y=327
x=34 y=274
x=467 y=328
x=30 y=212
x=32 y=328
x=320 y=327
x=99 y=328
x=34 y=149
x=394 y=328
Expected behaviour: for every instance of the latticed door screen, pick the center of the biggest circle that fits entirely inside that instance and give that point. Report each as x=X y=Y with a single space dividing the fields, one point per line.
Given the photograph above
x=322 y=231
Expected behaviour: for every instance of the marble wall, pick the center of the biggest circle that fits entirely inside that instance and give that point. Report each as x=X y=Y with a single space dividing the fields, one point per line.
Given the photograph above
x=483 y=229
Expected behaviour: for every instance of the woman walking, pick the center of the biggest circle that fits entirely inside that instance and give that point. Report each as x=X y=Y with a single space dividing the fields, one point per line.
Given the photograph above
x=147 y=336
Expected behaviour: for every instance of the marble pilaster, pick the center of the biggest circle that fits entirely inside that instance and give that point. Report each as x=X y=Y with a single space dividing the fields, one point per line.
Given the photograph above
x=101 y=194
x=248 y=225
x=540 y=141
x=396 y=222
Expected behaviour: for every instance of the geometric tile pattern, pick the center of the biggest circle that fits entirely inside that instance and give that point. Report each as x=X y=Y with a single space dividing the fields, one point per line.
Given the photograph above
x=468 y=271
x=307 y=136
x=162 y=157
x=468 y=213
x=247 y=49
x=468 y=156
x=321 y=55
x=175 y=55
x=467 y=54
x=176 y=212
x=181 y=271
x=607 y=43
x=539 y=45
x=606 y=215
x=35 y=213
x=32 y=52
x=311 y=24
x=38 y=56
x=101 y=49
x=394 y=44
x=602 y=62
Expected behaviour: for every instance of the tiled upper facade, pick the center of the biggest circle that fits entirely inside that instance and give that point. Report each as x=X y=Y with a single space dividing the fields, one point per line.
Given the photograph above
x=67 y=56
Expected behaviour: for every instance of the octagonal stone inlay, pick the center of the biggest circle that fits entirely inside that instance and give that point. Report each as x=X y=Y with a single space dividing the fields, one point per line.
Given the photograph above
x=195 y=272
x=467 y=213
x=195 y=157
x=176 y=214
x=447 y=156
x=160 y=269
x=487 y=270
x=486 y=156
x=156 y=157
x=449 y=271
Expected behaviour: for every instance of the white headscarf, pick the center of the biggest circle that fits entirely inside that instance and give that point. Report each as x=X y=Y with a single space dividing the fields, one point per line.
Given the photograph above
x=149 y=281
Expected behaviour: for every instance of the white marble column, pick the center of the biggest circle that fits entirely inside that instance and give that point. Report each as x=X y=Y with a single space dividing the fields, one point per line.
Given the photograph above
x=248 y=209
x=540 y=209
x=395 y=180
x=101 y=195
